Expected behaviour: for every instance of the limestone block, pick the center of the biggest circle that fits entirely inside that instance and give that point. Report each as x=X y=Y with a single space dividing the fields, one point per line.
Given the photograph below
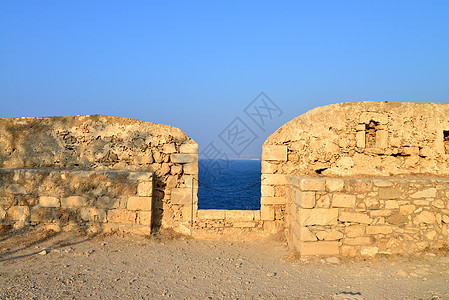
x=268 y=167
x=73 y=201
x=244 y=224
x=175 y=169
x=366 y=117
x=427 y=193
x=274 y=179
x=189 y=148
x=18 y=213
x=47 y=201
x=305 y=199
x=313 y=185
x=329 y=235
x=144 y=217
x=16 y=189
x=389 y=193
x=438 y=203
x=169 y=148
x=445 y=219
x=391 y=204
x=324 y=201
x=397 y=219
x=318 y=216
x=143 y=159
x=355 y=218
x=190 y=169
x=181 y=196
x=171 y=182
x=407 y=209
x=382 y=139
x=380 y=229
x=354 y=230
x=239 y=215
x=425 y=217
x=273 y=200
x=369 y=251
x=2 y=213
x=362 y=240
x=334 y=185
x=306 y=235
x=319 y=248
x=360 y=138
x=349 y=251
x=211 y=214
x=267 y=212
x=145 y=189
x=267 y=190
x=186 y=211
x=122 y=216
x=342 y=200
x=93 y=214
x=42 y=214
x=274 y=152
x=139 y=203
x=410 y=150
x=182 y=158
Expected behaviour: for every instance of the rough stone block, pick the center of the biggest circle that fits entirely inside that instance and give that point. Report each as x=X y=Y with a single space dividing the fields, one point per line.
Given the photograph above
x=182 y=196
x=354 y=230
x=266 y=212
x=329 y=235
x=144 y=217
x=189 y=148
x=267 y=190
x=2 y=213
x=425 y=217
x=369 y=251
x=382 y=183
x=380 y=213
x=342 y=200
x=407 y=209
x=354 y=218
x=334 y=185
x=309 y=184
x=122 y=216
x=190 y=169
x=427 y=193
x=380 y=229
x=360 y=137
x=211 y=214
x=274 y=179
x=143 y=159
x=391 y=204
x=305 y=199
x=182 y=158
x=16 y=189
x=139 y=203
x=169 y=148
x=319 y=248
x=93 y=214
x=46 y=201
x=382 y=139
x=239 y=215
x=274 y=152
x=18 y=213
x=389 y=193
x=268 y=167
x=318 y=216
x=145 y=189
x=73 y=201
x=273 y=200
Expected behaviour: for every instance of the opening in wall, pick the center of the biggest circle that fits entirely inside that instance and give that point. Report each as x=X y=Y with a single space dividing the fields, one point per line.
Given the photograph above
x=370 y=134
x=446 y=141
x=229 y=184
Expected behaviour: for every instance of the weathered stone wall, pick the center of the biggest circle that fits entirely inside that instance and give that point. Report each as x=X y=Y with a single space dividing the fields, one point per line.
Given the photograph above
x=110 y=143
x=88 y=200
x=355 y=140
x=365 y=217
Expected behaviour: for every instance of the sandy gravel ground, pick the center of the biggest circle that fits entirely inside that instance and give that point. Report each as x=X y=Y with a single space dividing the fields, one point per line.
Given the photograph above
x=37 y=265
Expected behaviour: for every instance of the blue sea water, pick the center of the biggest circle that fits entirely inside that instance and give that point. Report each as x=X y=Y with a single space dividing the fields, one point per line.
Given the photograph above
x=230 y=175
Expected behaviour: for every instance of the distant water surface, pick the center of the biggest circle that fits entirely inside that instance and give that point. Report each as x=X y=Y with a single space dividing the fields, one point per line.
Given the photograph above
x=231 y=175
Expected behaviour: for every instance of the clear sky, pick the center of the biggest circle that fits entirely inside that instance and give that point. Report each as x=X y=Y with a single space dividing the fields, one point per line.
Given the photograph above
x=196 y=65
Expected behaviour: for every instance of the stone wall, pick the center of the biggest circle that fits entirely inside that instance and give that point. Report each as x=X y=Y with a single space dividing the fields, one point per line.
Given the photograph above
x=110 y=143
x=355 y=140
x=365 y=217
x=86 y=200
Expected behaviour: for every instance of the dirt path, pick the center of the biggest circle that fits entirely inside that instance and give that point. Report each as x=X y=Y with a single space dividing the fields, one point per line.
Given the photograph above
x=73 y=266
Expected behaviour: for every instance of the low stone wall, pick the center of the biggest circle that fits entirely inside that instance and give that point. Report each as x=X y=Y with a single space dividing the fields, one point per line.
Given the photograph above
x=365 y=217
x=88 y=200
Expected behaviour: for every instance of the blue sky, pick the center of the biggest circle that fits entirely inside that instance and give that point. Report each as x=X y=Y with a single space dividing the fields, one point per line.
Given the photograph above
x=197 y=64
